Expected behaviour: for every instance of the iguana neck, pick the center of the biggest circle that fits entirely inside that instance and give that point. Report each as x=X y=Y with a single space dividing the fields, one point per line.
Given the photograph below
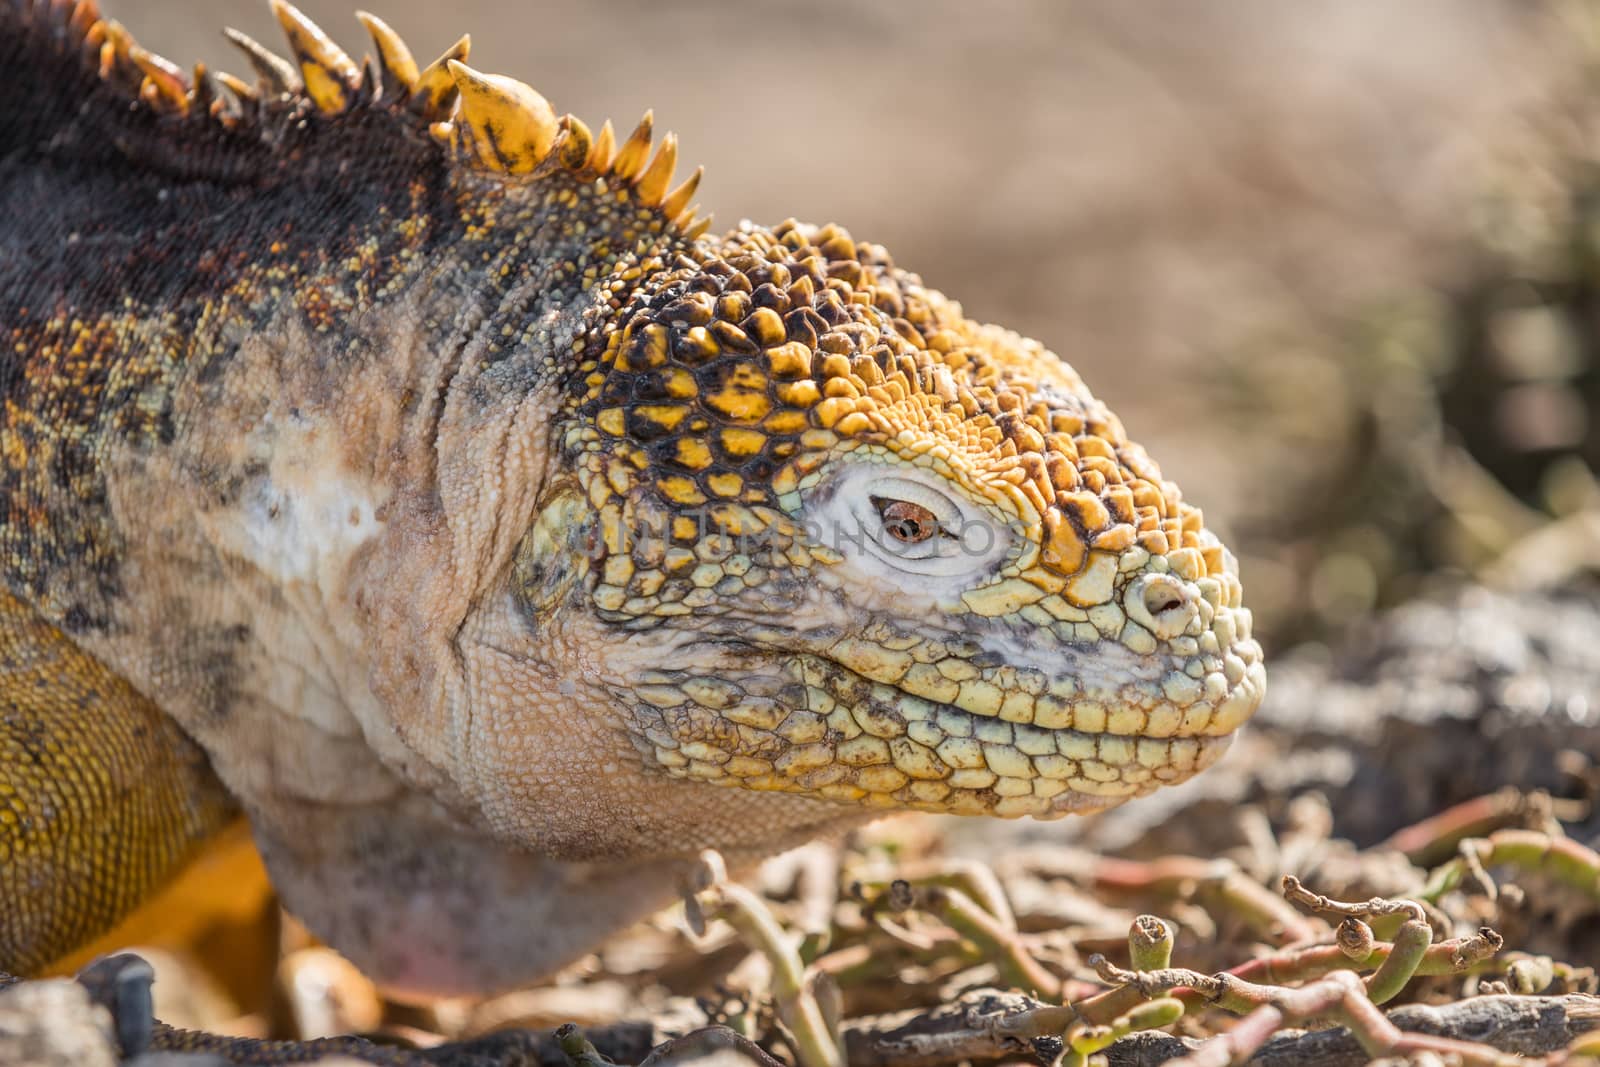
x=137 y=306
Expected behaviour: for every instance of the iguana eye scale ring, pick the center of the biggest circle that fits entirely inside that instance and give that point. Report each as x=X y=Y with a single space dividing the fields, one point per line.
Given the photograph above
x=410 y=465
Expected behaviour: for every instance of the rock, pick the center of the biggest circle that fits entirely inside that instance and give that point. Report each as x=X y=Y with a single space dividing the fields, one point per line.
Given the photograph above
x=53 y=1023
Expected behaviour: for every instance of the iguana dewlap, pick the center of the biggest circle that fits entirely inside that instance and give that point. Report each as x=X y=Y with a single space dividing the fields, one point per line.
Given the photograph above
x=409 y=466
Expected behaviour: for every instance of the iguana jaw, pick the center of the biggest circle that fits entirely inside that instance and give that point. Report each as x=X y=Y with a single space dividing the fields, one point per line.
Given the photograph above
x=942 y=715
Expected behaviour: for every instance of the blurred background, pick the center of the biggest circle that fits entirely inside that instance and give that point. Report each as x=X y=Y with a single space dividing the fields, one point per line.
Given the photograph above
x=1332 y=262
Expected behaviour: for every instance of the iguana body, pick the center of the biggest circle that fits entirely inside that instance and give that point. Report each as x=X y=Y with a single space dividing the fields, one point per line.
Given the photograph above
x=412 y=454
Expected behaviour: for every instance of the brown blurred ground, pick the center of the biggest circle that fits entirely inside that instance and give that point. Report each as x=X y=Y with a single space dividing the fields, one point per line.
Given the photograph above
x=1179 y=198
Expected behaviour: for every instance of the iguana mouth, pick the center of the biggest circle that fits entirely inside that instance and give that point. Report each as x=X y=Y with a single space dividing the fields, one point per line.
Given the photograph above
x=837 y=734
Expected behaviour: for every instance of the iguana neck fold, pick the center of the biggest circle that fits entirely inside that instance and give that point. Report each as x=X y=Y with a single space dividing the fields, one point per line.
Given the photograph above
x=151 y=241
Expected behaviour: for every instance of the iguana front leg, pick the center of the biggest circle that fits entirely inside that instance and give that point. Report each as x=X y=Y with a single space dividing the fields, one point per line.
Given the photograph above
x=102 y=797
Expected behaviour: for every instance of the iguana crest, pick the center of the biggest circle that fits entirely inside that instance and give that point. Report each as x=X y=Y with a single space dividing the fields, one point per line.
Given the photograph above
x=490 y=122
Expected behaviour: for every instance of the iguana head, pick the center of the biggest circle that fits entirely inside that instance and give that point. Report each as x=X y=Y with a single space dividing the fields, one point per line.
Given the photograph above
x=879 y=553
x=832 y=537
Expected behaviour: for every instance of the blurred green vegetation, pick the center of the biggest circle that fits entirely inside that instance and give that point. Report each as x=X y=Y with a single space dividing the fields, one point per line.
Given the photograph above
x=1442 y=433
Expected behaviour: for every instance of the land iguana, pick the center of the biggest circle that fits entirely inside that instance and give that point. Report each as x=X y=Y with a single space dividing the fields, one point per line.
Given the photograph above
x=410 y=467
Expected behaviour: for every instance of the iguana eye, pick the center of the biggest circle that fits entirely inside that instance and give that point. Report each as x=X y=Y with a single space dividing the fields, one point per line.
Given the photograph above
x=901 y=524
x=906 y=522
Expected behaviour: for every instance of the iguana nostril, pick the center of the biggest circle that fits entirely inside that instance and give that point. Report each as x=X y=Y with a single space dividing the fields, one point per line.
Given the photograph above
x=1168 y=605
x=1163 y=604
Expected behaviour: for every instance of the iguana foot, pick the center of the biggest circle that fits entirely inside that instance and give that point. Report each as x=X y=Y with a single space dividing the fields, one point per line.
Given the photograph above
x=121 y=984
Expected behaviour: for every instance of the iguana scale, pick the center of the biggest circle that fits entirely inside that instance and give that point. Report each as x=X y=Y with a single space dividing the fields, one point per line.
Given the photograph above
x=409 y=466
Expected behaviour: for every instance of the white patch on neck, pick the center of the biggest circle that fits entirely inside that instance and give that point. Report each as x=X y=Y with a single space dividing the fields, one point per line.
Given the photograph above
x=304 y=523
x=300 y=526
x=301 y=533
